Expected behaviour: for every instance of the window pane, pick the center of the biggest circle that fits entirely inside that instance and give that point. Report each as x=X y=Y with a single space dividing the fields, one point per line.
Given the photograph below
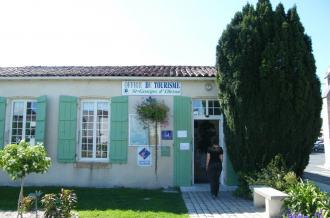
x=102 y=130
x=95 y=129
x=211 y=111
x=83 y=153
x=30 y=122
x=16 y=139
x=87 y=130
x=18 y=108
x=217 y=111
x=199 y=107
x=216 y=103
x=17 y=122
x=197 y=103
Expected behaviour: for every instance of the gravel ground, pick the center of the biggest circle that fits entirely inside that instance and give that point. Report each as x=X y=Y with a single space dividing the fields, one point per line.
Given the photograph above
x=13 y=214
x=10 y=214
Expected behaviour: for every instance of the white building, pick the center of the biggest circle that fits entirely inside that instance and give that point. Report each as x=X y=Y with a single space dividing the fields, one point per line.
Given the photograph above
x=326 y=119
x=86 y=118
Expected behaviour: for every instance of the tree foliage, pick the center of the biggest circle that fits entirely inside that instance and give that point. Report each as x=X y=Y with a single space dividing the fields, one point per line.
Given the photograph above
x=268 y=88
x=19 y=160
x=152 y=112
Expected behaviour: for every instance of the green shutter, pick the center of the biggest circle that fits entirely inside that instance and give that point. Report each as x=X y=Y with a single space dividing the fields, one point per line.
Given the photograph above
x=67 y=128
x=119 y=129
x=182 y=158
x=41 y=119
x=2 y=120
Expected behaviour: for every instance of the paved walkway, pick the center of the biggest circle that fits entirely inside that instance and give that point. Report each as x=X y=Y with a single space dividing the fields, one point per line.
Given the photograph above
x=200 y=204
x=317 y=172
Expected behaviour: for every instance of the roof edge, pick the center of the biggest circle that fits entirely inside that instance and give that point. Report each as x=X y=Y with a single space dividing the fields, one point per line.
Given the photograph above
x=107 y=78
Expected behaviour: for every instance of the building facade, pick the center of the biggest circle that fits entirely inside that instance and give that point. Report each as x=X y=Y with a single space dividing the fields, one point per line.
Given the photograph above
x=86 y=118
x=326 y=120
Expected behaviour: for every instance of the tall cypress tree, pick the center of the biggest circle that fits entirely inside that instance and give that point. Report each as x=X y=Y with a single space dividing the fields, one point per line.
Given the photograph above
x=268 y=88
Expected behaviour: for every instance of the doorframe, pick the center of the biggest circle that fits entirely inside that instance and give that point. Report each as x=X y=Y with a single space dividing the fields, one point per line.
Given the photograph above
x=221 y=140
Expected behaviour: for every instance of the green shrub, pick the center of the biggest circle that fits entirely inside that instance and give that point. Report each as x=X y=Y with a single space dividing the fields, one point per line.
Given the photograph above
x=27 y=204
x=243 y=190
x=59 y=205
x=306 y=198
x=50 y=202
x=275 y=175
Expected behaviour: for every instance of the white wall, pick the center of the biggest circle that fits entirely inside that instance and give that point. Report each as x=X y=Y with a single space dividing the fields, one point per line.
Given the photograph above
x=93 y=175
x=326 y=123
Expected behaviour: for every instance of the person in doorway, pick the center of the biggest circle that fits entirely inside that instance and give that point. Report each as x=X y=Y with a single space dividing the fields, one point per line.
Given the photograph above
x=214 y=159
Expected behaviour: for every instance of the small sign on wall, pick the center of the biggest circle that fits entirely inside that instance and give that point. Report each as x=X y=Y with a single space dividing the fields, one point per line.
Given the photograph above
x=184 y=146
x=165 y=151
x=167 y=135
x=143 y=156
x=182 y=134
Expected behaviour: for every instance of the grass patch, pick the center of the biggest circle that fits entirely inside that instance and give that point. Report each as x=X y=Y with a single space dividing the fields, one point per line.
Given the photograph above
x=117 y=202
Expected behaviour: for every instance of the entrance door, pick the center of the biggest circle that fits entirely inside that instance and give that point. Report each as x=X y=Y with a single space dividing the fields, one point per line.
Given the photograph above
x=183 y=141
x=204 y=132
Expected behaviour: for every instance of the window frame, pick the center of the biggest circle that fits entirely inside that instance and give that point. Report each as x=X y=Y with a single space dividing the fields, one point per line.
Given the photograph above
x=206 y=114
x=25 y=101
x=129 y=132
x=80 y=129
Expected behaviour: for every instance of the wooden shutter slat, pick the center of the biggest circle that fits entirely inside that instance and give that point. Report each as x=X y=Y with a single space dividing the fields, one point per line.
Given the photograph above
x=119 y=129
x=2 y=120
x=67 y=128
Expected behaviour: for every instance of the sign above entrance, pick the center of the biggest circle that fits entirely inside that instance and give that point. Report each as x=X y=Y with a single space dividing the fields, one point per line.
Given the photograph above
x=151 y=88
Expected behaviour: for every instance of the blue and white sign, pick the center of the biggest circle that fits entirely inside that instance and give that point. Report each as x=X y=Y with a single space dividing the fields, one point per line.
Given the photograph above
x=151 y=88
x=167 y=135
x=144 y=156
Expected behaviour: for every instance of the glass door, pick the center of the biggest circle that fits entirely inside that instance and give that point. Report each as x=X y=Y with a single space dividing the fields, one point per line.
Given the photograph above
x=204 y=132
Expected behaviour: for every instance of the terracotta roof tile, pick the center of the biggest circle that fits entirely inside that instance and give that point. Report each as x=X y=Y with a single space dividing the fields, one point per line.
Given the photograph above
x=108 y=71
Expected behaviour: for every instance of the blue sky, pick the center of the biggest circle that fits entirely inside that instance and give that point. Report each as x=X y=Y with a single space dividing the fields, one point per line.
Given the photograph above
x=134 y=32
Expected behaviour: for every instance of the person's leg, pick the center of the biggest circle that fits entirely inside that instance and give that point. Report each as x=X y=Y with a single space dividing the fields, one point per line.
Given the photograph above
x=218 y=172
x=210 y=176
x=215 y=180
x=216 y=184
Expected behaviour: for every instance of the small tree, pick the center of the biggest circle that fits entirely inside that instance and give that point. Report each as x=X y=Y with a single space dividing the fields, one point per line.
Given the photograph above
x=19 y=160
x=152 y=112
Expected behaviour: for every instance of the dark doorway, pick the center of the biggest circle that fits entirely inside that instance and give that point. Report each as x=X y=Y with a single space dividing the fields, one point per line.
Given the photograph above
x=204 y=132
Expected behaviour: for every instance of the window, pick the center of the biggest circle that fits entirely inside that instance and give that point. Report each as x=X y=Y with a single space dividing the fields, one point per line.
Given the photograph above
x=94 y=130
x=213 y=107
x=139 y=133
x=206 y=107
x=23 y=122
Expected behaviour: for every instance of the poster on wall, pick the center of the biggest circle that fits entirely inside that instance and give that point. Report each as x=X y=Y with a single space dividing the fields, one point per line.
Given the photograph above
x=138 y=134
x=144 y=156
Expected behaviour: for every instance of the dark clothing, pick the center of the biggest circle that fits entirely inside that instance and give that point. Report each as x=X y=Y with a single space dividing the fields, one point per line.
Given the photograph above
x=215 y=154
x=214 y=169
